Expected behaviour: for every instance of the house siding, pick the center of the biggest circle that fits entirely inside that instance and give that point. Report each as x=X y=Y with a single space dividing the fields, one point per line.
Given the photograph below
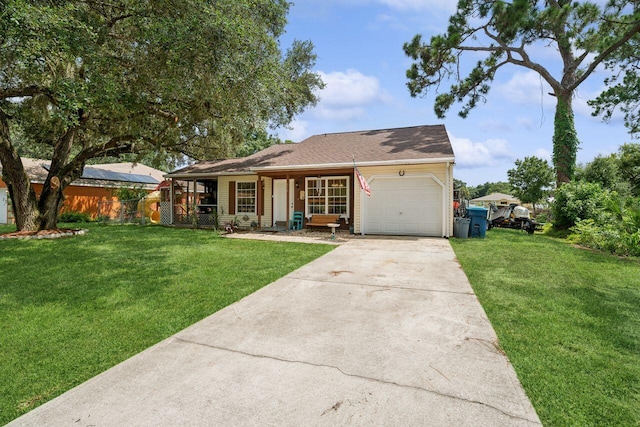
x=84 y=199
x=77 y=198
x=85 y=194
x=442 y=171
x=223 y=201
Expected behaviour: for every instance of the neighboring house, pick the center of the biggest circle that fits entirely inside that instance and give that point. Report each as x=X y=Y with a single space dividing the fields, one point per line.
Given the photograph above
x=97 y=184
x=498 y=199
x=409 y=171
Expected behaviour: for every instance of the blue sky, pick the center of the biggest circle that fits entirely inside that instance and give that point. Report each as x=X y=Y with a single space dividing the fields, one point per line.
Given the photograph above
x=360 y=58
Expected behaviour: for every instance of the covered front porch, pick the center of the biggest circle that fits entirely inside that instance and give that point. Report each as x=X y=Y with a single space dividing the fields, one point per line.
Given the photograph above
x=309 y=192
x=264 y=200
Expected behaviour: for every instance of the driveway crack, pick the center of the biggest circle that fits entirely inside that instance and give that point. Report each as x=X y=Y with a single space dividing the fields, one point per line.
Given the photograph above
x=383 y=287
x=349 y=374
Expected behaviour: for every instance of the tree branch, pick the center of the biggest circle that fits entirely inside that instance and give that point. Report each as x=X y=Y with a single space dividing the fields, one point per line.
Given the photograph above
x=525 y=62
x=116 y=145
x=17 y=92
x=528 y=63
x=171 y=118
x=480 y=48
x=605 y=54
x=28 y=91
x=113 y=21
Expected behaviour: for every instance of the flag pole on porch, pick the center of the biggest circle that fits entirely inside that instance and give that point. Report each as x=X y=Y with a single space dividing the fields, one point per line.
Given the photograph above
x=364 y=185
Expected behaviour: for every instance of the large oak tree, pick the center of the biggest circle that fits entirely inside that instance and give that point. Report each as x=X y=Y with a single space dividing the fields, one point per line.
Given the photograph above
x=582 y=34
x=88 y=78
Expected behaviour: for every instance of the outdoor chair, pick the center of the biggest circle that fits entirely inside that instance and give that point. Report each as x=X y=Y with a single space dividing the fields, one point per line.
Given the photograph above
x=296 y=222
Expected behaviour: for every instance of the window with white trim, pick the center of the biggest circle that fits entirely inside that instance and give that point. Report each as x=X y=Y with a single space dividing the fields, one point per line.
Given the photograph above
x=327 y=195
x=246 y=197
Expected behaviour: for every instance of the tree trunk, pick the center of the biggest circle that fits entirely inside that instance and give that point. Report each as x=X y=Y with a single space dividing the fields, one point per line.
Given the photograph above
x=49 y=206
x=23 y=198
x=52 y=195
x=565 y=139
x=30 y=213
x=61 y=174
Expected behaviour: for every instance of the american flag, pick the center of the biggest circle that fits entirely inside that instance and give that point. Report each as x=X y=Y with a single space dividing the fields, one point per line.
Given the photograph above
x=364 y=185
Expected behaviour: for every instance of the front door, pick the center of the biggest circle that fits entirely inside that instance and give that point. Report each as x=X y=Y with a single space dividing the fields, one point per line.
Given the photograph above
x=280 y=200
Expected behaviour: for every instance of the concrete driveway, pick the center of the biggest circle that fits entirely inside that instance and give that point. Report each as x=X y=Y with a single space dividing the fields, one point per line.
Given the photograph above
x=380 y=331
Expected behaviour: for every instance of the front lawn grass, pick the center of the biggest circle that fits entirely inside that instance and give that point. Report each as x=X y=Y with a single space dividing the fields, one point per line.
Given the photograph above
x=569 y=320
x=71 y=308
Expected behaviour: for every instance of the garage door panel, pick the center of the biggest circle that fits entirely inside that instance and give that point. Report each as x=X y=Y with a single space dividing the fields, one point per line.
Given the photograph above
x=403 y=206
x=410 y=228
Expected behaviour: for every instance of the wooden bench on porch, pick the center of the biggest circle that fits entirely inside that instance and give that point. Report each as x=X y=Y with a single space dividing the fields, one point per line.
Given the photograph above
x=319 y=220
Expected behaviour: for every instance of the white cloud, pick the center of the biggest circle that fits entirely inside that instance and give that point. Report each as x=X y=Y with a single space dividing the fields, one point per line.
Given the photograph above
x=387 y=21
x=471 y=154
x=346 y=95
x=494 y=126
x=580 y=106
x=529 y=89
x=526 y=88
x=297 y=131
x=543 y=154
x=349 y=88
x=323 y=112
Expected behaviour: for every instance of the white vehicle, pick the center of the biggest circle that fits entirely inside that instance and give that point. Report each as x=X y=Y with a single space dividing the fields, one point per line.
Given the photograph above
x=512 y=216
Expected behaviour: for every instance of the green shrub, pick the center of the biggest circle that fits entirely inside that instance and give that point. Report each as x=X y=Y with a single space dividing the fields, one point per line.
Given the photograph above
x=577 y=201
x=619 y=235
x=126 y=194
x=74 y=217
x=543 y=215
x=631 y=242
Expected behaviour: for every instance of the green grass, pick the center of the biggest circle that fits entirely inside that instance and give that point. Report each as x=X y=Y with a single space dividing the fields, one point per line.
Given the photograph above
x=569 y=320
x=71 y=308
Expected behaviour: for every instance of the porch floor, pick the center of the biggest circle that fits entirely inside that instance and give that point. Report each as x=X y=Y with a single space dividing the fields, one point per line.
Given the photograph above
x=280 y=226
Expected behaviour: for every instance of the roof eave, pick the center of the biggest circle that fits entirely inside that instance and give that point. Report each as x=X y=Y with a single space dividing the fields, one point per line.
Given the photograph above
x=205 y=175
x=450 y=159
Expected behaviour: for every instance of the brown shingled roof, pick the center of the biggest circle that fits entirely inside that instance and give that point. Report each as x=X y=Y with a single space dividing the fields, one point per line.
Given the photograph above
x=413 y=144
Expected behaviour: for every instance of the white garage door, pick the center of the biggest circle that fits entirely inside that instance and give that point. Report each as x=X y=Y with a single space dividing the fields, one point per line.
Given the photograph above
x=403 y=206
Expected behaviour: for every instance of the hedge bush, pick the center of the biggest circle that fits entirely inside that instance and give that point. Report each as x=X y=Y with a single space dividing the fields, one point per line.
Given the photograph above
x=74 y=217
x=619 y=233
x=577 y=201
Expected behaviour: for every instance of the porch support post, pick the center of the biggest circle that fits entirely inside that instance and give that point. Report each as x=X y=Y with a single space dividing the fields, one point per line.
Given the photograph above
x=187 y=198
x=172 y=198
x=195 y=202
x=287 y=207
x=260 y=190
x=195 y=196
